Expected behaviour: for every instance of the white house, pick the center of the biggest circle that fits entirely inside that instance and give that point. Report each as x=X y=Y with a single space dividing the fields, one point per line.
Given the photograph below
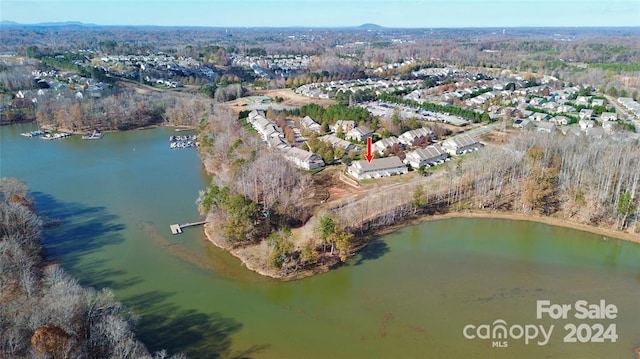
x=585 y=114
x=385 y=143
x=344 y=124
x=379 y=167
x=538 y=116
x=303 y=159
x=460 y=145
x=359 y=134
x=425 y=157
x=584 y=124
x=609 y=116
x=408 y=137
x=583 y=100
x=559 y=120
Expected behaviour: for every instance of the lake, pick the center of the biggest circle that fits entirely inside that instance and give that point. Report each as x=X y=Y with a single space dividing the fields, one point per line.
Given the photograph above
x=409 y=294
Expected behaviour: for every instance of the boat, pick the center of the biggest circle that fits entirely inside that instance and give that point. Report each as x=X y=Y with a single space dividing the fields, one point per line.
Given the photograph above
x=55 y=136
x=92 y=136
x=32 y=133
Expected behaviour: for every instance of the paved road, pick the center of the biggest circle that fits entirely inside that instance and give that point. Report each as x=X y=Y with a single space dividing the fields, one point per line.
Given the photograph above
x=484 y=129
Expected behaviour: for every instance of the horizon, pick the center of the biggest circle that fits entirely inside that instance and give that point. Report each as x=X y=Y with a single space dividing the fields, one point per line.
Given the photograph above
x=351 y=27
x=398 y=14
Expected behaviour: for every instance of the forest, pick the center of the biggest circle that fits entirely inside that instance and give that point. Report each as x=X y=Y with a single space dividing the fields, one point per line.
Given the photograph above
x=255 y=191
x=45 y=313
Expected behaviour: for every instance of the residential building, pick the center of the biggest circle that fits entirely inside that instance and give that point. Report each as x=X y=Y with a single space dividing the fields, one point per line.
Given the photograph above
x=303 y=159
x=559 y=120
x=309 y=124
x=583 y=100
x=585 y=114
x=523 y=123
x=631 y=105
x=608 y=116
x=337 y=142
x=460 y=145
x=425 y=157
x=584 y=124
x=264 y=126
x=344 y=124
x=597 y=102
x=385 y=144
x=408 y=137
x=547 y=127
x=565 y=109
x=538 y=116
x=359 y=134
x=378 y=167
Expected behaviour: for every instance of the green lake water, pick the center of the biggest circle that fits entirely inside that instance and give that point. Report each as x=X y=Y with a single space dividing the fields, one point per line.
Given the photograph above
x=407 y=295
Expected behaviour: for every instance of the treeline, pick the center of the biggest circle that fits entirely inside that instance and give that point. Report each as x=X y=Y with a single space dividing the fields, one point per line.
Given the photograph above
x=73 y=62
x=255 y=191
x=470 y=115
x=336 y=112
x=45 y=313
x=123 y=110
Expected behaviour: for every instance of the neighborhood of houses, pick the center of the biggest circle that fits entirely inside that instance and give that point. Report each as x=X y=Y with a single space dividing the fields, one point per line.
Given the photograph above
x=543 y=105
x=415 y=157
x=270 y=66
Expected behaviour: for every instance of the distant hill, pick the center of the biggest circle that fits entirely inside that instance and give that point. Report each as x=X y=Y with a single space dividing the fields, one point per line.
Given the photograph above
x=370 y=27
x=48 y=24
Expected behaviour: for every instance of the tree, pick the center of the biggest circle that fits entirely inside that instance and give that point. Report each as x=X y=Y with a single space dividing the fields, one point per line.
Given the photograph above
x=419 y=197
x=343 y=242
x=280 y=245
x=625 y=208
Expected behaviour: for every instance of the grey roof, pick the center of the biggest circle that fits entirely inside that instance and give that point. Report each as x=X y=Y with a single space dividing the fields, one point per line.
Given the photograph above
x=427 y=153
x=463 y=140
x=377 y=164
x=308 y=122
x=336 y=141
x=302 y=155
x=386 y=143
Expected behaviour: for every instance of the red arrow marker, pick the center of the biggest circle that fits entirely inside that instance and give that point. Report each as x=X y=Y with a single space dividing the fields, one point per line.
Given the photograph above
x=369 y=156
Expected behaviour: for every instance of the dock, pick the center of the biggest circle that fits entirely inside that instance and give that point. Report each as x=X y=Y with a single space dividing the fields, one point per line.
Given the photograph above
x=177 y=228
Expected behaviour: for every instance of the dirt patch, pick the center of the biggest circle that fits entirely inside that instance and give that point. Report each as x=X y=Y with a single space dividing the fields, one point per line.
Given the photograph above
x=291 y=98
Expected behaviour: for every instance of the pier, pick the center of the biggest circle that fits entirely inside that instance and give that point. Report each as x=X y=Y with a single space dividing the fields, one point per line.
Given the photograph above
x=177 y=228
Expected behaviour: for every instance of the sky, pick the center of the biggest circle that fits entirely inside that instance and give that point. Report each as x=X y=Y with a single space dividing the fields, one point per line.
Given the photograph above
x=328 y=13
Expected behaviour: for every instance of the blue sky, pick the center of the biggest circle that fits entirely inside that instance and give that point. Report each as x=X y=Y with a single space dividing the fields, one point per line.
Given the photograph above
x=329 y=13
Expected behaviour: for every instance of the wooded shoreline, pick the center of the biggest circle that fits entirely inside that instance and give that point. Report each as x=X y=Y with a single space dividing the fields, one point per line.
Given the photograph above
x=253 y=263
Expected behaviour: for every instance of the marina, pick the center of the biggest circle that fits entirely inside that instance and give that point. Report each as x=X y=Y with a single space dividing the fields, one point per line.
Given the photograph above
x=184 y=141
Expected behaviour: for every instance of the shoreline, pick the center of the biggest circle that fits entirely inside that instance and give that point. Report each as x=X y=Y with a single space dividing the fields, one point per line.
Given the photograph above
x=178 y=128
x=250 y=263
x=610 y=233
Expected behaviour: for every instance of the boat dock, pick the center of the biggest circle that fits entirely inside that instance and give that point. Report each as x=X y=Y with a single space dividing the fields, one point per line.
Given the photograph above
x=177 y=228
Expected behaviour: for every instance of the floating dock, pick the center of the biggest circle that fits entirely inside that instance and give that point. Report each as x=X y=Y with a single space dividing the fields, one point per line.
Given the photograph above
x=177 y=228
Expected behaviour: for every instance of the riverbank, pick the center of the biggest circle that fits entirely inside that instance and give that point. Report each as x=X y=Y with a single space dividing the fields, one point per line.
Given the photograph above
x=253 y=257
